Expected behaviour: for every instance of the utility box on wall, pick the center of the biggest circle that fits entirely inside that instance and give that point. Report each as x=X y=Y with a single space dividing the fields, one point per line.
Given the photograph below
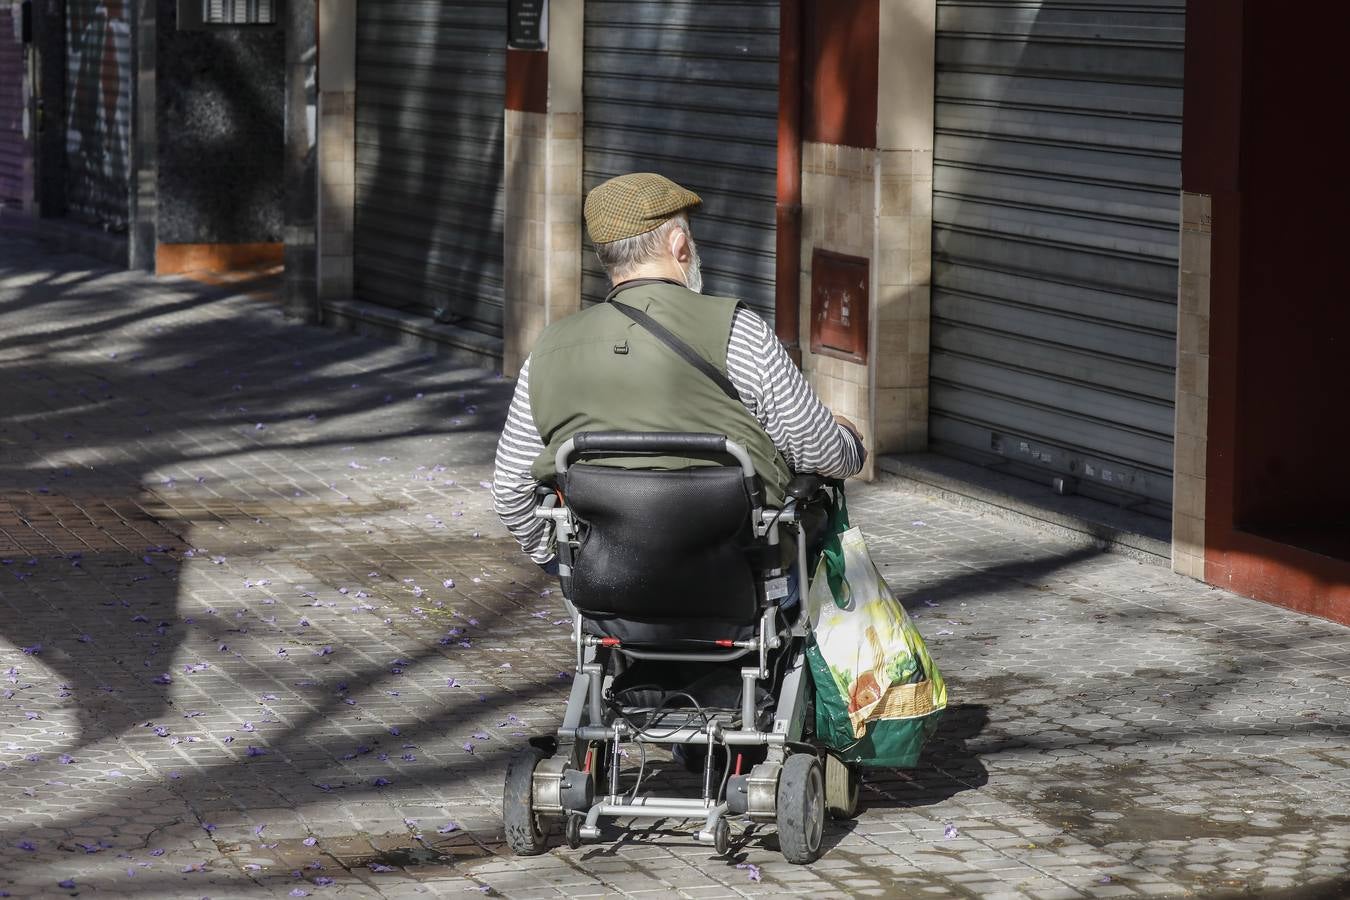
x=839 y=305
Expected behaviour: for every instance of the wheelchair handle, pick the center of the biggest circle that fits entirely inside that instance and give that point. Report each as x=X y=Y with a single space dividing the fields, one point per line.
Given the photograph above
x=653 y=442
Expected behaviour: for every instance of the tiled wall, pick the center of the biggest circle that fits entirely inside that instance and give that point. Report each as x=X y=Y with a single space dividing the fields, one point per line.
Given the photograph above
x=1192 y=423
x=543 y=226
x=337 y=192
x=839 y=198
x=543 y=196
x=337 y=146
x=901 y=279
x=876 y=204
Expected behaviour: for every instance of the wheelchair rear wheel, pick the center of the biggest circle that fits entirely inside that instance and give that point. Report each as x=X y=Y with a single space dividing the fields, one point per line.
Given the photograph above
x=525 y=834
x=801 y=808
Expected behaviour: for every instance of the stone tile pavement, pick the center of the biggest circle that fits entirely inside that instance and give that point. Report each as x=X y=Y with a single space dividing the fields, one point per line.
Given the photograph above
x=260 y=636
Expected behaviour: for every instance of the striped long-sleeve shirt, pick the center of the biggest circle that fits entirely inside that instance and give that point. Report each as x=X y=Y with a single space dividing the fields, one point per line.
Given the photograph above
x=771 y=387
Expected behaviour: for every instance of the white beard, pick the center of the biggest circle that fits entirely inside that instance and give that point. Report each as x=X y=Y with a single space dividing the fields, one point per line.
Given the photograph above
x=693 y=275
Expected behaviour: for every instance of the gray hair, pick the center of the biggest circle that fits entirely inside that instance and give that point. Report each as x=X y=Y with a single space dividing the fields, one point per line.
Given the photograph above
x=623 y=256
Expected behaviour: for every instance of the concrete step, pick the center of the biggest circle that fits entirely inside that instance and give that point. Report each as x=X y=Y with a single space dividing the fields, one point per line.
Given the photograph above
x=1110 y=527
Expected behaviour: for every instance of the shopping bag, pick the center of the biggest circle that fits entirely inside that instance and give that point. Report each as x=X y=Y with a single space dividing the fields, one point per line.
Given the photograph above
x=879 y=695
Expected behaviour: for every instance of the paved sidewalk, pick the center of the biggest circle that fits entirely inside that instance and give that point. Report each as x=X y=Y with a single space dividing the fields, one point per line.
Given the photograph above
x=261 y=637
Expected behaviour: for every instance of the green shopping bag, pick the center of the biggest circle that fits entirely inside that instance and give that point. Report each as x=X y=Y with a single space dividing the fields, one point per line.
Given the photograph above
x=878 y=694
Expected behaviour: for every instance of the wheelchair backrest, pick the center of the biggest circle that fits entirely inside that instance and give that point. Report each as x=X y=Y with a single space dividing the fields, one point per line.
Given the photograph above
x=663 y=545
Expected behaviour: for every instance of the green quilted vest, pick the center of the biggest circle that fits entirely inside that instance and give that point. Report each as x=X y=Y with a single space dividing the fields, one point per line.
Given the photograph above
x=598 y=370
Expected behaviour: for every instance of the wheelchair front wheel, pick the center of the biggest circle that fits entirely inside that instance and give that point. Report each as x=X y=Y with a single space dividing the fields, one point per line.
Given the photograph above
x=801 y=808
x=525 y=834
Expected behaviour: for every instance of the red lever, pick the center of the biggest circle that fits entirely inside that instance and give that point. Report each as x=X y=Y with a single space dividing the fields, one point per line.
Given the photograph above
x=725 y=643
x=609 y=642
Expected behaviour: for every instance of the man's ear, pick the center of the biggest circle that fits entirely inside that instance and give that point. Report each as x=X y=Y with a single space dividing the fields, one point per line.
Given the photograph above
x=679 y=246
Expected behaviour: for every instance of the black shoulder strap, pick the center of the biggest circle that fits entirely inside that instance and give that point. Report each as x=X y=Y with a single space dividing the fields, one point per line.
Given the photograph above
x=683 y=350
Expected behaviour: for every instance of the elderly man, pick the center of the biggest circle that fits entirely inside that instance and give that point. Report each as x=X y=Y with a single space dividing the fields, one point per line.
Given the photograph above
x=600 y=370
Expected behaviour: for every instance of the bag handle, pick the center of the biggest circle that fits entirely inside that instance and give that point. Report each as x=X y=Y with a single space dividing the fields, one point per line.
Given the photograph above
x=833 y=551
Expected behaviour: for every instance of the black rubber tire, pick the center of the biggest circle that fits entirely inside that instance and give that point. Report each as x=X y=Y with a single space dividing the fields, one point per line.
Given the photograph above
x=524 y=833
x=572 y=830
x=801 y=808
x=843 y=783
x=722 y=838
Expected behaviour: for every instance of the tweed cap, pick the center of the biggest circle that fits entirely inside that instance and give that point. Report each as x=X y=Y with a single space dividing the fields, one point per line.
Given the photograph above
x=634 y=204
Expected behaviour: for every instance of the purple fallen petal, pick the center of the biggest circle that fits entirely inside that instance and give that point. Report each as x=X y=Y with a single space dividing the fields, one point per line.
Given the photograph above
x=68 y=884
x=256 y=751
x=950 y=832
x=447 y=828
x=310 y=841
x=752 y=871
x=380 y=867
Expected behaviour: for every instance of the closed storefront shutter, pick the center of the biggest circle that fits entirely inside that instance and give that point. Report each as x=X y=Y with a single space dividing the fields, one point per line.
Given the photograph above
x=98 y=111
x=1055 y=209
x=690 y=90
x=430 y=89
x=11 y=111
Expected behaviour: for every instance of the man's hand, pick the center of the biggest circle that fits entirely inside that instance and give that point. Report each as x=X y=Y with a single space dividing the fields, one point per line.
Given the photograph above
x=849 y=425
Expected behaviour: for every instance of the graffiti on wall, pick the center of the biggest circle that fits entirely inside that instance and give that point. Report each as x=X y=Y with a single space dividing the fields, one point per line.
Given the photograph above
x=98 y=110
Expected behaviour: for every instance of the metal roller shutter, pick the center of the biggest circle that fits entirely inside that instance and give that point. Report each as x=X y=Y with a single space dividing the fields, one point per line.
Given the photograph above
x=98 y=111
x=430 y=94
x=690 y=90
x=11 y=112
x=1055 y=211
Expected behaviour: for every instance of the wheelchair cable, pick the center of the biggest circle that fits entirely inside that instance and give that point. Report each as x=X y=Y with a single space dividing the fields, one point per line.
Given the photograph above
x=726 y=776
x=654 y=715
x=642 y=769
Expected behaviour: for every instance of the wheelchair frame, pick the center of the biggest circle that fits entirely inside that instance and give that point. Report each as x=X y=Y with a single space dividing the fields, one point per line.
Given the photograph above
x=795 y=794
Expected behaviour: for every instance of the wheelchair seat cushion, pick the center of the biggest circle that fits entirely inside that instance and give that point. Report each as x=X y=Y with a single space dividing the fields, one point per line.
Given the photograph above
x=668 y=546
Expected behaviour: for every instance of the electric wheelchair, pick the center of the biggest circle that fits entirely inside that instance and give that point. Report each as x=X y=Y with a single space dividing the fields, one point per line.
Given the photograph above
x=688 y=633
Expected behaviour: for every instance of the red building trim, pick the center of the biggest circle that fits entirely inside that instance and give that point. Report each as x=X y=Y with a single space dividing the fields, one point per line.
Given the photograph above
x=841 y=42
x=1230 y=151
x=527 y=80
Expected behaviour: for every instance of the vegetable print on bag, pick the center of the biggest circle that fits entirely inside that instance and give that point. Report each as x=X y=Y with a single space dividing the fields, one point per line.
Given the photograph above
x=879 y=694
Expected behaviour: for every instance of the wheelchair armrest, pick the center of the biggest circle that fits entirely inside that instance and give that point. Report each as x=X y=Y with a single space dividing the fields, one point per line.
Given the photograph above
x=805 y=487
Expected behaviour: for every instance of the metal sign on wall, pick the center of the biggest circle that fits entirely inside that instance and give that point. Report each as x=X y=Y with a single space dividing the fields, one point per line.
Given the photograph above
x=527 y=25
x=839 y=305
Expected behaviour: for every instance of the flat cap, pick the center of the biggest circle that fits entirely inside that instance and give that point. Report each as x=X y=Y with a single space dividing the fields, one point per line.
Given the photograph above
x=634 y=204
